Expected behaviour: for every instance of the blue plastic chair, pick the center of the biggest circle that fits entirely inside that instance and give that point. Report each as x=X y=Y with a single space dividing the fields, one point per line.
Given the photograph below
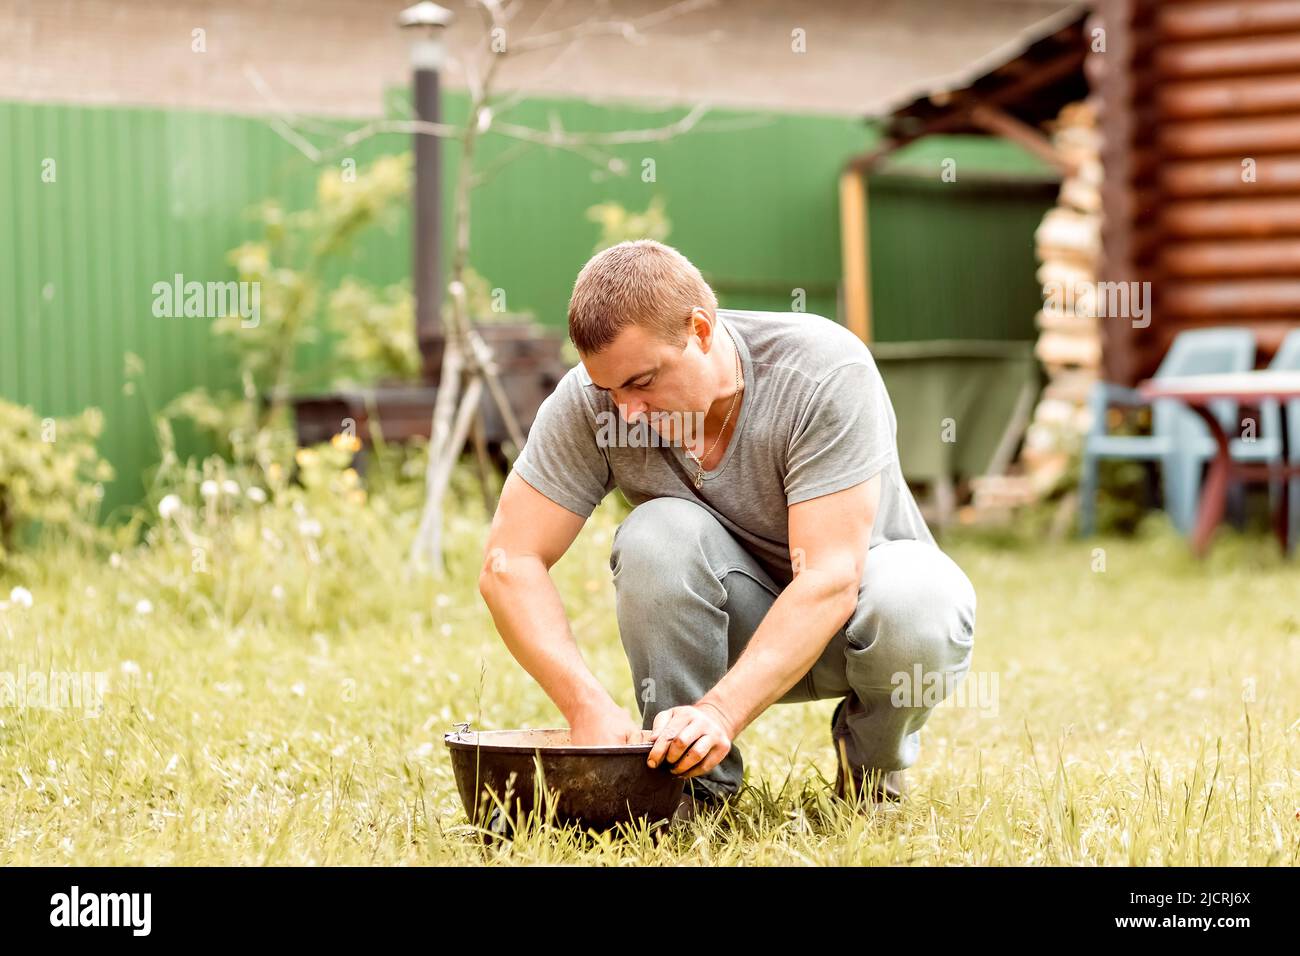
x=1180 y=441
x=1287 y=359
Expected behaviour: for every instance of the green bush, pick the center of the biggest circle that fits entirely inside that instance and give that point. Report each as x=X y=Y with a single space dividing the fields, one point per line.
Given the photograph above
x=50 y=474
x=288 y=264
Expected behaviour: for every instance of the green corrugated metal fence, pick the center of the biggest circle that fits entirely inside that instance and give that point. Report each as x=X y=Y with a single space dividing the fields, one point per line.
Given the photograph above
x=142 y=194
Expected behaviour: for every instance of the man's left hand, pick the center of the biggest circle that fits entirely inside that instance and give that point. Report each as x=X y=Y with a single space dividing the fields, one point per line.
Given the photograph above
x=693 y=739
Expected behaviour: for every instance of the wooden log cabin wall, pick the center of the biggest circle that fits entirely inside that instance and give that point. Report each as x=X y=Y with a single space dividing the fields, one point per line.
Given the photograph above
x=1199 y=108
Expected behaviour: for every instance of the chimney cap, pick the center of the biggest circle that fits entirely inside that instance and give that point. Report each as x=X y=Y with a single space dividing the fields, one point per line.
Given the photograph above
x=425 y=14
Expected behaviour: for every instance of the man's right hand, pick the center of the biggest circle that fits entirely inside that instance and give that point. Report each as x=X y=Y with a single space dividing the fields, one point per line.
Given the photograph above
x=609 y=726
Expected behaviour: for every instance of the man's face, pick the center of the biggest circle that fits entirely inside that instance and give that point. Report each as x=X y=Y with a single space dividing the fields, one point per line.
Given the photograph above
x=644 y=375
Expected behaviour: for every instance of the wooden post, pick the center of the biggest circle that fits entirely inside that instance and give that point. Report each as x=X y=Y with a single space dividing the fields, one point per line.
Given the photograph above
x=855 y=251
x=1001 y=123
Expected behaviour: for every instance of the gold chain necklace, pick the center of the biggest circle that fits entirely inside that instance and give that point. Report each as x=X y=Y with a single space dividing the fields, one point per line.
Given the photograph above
x=699 y=462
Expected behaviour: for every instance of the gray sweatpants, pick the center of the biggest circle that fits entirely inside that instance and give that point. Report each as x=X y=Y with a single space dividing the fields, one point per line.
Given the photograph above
x=689 y=598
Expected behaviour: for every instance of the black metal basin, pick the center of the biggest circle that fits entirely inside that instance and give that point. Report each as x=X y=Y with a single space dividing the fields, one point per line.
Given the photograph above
x=595 y=787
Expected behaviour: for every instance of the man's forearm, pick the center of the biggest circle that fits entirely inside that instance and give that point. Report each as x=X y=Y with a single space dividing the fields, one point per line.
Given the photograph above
x=529 y=615
x=790 y=639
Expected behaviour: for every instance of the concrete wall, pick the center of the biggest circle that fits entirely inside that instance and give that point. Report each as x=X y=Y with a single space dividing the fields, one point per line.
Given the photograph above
x=335 y=57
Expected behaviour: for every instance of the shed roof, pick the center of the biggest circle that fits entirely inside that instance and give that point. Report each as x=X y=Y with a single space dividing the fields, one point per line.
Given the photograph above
x=1026 y=80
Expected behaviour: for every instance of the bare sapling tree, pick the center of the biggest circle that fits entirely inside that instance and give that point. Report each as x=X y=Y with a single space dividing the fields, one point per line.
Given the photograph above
x=468 y=368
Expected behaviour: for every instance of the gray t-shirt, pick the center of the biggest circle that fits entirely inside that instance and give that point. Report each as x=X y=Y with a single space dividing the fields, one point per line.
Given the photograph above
x=814 y=418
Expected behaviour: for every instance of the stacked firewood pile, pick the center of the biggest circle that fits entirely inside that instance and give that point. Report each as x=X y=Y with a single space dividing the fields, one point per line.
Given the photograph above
x=1069 y=341
x=1068 y=245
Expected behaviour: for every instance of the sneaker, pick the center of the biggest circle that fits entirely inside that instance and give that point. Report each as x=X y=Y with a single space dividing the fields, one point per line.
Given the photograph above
x=887 y=786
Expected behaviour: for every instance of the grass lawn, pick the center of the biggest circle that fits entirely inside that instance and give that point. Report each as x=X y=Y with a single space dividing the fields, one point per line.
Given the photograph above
x=280 y=698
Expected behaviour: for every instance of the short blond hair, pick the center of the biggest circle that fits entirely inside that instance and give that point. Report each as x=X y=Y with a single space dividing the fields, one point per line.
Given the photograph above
x=640 y=282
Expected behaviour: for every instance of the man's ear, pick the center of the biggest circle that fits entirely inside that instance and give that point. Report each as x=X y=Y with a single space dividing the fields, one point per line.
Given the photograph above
x=706 y=340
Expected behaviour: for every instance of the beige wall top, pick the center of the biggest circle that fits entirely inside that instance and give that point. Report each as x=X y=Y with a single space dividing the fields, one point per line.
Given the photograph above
x=335 y=57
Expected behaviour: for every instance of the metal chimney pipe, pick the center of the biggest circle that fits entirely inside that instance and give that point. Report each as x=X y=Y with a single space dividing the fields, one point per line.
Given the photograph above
x=427 y=56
